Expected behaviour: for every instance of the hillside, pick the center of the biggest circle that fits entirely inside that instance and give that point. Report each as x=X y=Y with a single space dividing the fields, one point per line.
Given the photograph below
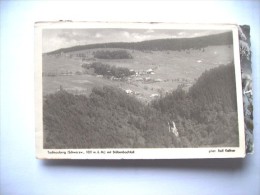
x=169 y=69
x=208 y=109
x=176 y=44
x=110 y=118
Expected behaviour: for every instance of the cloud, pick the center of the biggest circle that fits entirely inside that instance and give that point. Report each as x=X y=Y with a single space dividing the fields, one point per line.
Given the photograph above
x=149 y=31
x=98 y=35
x=140 y=37
x=196 y=34
x=126 y=34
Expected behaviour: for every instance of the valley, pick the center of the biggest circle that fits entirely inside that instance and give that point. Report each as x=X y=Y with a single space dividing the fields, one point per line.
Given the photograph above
x=156 y=72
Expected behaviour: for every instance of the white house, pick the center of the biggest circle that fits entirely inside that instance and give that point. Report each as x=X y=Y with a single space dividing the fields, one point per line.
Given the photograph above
x=128 y=91
x=149 y=71
x=154 y=95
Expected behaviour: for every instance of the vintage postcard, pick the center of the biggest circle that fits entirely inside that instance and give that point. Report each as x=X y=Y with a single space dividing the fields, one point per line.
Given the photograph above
x=141 y=90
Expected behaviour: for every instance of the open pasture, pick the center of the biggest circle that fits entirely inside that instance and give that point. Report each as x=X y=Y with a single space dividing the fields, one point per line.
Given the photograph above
x=169 y=70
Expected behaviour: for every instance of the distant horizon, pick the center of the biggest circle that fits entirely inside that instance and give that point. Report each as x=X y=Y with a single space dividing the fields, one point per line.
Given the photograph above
x=55 y=39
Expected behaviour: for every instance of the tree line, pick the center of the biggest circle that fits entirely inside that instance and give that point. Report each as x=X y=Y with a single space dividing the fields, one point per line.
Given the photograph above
x=107 y=70
x=117 y=54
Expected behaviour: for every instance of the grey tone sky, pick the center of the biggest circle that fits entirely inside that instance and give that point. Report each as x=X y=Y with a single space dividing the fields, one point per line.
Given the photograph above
x=61 y=38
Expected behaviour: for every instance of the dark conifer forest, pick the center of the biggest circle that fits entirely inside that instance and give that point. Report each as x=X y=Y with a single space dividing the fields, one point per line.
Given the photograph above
x=205 y=116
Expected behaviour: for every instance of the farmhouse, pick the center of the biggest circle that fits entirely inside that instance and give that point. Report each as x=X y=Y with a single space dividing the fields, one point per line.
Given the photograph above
x=154 y=95
x=149 y=71
x=128 y=91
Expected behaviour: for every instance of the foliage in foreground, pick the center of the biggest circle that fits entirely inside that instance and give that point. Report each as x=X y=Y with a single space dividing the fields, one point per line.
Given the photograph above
x=108 y=118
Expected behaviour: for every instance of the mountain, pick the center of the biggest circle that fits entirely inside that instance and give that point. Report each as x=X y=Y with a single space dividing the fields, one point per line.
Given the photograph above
x=159 y=44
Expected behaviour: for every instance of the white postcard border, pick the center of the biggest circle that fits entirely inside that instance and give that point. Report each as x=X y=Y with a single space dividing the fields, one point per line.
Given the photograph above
x=134 y=153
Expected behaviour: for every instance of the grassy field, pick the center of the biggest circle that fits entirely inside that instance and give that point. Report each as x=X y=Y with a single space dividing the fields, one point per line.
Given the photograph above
x=59 y=64
x=170 y=69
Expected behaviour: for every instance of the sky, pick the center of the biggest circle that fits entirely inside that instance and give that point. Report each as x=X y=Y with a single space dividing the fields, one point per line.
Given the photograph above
x=54 y=39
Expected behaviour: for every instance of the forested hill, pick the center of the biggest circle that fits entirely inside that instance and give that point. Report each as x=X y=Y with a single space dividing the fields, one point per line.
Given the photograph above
x=110 y=118
x=159 y=44
x=216 y=86
x=206 y=115
x=214 y=90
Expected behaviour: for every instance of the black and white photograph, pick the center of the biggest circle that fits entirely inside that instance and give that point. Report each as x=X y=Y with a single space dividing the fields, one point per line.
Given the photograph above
x=118 y=88
x=129 y=97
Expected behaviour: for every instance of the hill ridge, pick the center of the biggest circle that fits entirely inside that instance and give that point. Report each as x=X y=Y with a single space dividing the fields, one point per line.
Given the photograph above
x=158 y=44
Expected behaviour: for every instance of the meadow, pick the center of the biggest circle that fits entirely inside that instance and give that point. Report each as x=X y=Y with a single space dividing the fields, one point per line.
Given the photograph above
x=168 y=70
